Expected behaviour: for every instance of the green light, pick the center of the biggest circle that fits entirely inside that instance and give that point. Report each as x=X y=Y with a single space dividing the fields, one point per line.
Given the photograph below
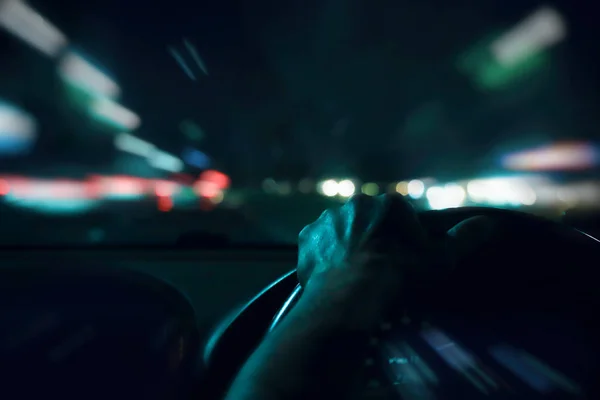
x=495 y=76
x=488 y=74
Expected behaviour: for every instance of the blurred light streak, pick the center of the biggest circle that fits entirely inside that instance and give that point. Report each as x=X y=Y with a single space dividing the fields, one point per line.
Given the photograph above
x=165 y=188
x=12 y=181
x=532 y=371
x=68 y=189
x=581 y=194
x=48 y=197
x=161 y=160
x=134 y=145
x=18 y=130
x=194 y=53
x=544 y=28
x=557 y=157
x=181 y=62
x=93 y=186
x=123 y=186
x=115 y=113
x=513 y=191
x=448 y=196
x=156 y=158
x=26 y=188
x=79 y=72
x=54 y=206
x=118 y=186
x=460 y=359
x=25 y=23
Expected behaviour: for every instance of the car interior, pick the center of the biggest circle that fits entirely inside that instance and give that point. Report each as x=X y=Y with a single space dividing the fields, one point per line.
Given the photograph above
x=158 y=161
x=153 y=323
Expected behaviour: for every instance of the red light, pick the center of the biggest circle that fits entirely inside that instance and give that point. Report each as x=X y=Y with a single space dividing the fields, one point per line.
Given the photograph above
x=21 y=187
x=93 y=187
x=216 y=177
x=165 y=204
x=207 y=189
x=164 y=188
x=4 y=187
x=67 y=189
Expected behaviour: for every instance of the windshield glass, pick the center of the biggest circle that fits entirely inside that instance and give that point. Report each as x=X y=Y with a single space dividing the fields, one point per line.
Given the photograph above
x=122 y=122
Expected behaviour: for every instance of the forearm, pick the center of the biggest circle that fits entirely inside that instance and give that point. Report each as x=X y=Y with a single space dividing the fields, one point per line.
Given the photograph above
x=294 y=358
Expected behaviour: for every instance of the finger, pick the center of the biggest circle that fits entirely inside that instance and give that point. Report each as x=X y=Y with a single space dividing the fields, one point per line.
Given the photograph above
x=308 y=232
x=360 y=213
x=400 y=223
x=316 y=242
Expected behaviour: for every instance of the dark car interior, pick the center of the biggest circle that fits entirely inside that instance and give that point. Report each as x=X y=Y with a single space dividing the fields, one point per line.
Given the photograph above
x=152 y=323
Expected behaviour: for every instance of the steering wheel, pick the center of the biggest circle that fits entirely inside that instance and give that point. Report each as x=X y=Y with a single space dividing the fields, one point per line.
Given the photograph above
x=514 y=317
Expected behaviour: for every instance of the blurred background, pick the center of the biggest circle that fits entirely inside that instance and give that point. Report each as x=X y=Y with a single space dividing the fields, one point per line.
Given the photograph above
x=122 y=122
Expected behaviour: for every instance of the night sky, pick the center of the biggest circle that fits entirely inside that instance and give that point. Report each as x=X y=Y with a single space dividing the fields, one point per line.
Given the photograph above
x=311 y=87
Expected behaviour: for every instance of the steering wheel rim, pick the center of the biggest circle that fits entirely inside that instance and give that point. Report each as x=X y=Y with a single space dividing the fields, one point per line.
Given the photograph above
x=463 y=213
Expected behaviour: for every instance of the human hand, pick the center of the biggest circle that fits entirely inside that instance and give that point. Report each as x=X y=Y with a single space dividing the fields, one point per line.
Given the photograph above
x=356 y=258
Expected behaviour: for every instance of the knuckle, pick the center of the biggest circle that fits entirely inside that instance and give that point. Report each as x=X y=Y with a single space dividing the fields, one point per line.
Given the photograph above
x=327 y=217
x=305 y=232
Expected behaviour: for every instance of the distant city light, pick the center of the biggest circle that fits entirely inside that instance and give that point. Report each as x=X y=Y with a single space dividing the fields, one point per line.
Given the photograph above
x=416 y=189
x=329 y=188
x=346 y=188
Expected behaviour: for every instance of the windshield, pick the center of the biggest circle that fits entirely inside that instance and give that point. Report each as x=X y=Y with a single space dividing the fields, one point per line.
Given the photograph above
x=123 y=123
